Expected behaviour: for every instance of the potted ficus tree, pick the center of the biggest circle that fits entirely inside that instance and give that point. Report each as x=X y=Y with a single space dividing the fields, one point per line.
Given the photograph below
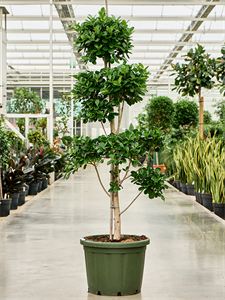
x=196 y=73
x=103 y=95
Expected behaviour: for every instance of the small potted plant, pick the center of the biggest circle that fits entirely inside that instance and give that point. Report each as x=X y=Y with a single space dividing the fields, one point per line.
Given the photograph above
x=103 y=95
x=41 y=162
x=5 y=148
x=13 y=181
x=37 y=138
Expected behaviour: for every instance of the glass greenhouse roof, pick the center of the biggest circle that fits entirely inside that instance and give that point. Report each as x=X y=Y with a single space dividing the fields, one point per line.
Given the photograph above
x=160 y=27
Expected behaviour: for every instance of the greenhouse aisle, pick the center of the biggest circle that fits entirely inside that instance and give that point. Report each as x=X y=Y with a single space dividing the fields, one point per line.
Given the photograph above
x=41 y=257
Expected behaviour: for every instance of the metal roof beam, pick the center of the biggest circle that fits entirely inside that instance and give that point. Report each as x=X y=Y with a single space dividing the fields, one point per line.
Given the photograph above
x=65 y=11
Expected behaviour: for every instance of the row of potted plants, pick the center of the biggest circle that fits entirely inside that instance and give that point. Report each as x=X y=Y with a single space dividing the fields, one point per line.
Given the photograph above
x=25 y=171
x=198 y=166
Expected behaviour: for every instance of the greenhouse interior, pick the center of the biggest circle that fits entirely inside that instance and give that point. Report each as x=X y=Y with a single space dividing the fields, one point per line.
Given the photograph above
x=112 y=149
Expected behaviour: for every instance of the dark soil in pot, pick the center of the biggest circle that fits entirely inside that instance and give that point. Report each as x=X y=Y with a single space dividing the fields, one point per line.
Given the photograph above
x=15 y=199
x=207 y=201
x=21 y=200
x=124 y=238
x=219 y=209
x=5 y=207
x=190 y=189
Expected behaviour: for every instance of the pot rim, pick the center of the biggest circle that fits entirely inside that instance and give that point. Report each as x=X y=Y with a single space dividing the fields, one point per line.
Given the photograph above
x=6 y=200
x=115 y=244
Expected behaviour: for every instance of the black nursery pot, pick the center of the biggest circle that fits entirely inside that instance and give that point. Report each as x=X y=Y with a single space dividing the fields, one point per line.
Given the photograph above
x=26 y=190
x=178 y=185
x=57 y=176
x=219 y=209
x=33 y=188
x=207 y=201
x=183 y=188
x=44 y=184
x=5 y=207
x=190 y=189
x=170 y=181
x=15 y=199
x=39 y=186
x=198 y=197
x=21 y=200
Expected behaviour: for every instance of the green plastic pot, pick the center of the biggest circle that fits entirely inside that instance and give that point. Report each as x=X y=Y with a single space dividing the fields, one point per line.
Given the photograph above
x=114 y=269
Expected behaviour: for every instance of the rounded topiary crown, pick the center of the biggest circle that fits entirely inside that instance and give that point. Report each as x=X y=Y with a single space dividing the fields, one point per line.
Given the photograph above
x=103 y=37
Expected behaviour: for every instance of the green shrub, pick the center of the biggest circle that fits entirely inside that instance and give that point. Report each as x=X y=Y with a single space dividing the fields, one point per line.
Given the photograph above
x=160 y=112
x=207 y=117
x=37 y=138
x=186 y=113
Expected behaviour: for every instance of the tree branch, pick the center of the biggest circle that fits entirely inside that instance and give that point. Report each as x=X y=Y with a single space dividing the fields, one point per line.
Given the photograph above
x=137 y=169
x=96 y=169
x=126 y=173
x=146 y=158
x=131 y=203
x=120 y=116
x=104 y=129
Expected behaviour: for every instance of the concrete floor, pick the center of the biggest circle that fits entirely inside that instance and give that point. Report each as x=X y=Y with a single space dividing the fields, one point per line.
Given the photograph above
x=41 y=257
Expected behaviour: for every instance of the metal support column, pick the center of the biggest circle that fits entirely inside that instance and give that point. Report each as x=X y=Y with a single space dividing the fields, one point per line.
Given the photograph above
x=50 y=133
x=26 y=129
x=71 y=121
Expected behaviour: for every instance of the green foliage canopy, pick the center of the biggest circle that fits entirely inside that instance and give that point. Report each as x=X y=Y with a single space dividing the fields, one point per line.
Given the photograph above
x=220 y=66
x=186 y=113
x=197 y=72
x=207 y=117
x=37 y=138
x=102 y=90
x=5 y=147
x=105 y=37
x=26 y=101
x=160 y=112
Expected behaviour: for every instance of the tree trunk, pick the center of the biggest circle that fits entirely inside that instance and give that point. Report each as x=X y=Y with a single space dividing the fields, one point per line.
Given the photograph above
x=117 y=223
x=111 y=205
x=201 y=110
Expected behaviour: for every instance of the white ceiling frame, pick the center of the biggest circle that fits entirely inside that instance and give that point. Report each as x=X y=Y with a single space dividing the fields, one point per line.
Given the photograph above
x=137 y=31
x=112 y=2
x=130 y=18
x=68 y=51
x=186 y=37
x=63 y=64
x=67 y=18
x=134 y=42
x=67 y=58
